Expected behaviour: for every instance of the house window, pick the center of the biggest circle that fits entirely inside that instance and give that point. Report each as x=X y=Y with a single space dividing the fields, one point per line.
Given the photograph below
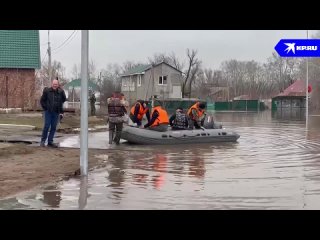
x=163 y=80
x=139 y=80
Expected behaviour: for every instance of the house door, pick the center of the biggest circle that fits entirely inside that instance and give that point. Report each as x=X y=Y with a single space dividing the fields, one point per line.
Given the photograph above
x=176 y=92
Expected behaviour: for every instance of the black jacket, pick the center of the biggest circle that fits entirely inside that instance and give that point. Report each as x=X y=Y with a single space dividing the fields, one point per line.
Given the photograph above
x=136 y=111
x=154 y=117
x=53 y=100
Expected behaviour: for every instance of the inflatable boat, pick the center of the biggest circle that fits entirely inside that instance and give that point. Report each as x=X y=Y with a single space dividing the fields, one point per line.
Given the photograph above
x=148 y=137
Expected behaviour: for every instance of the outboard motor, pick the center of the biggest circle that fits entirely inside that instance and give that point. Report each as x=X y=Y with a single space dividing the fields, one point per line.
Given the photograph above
x=209 y=123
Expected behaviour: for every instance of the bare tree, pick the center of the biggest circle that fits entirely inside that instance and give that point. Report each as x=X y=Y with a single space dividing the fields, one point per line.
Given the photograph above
x=92 y=70
x=159 y=57
x=174 y=61
x=190 y=73
x=171 y=59
x=110 y=80
x=201 y=87
x=126 y=66
x=251 y=78
x=234 y=71
x=76 y=71
x=58 y=70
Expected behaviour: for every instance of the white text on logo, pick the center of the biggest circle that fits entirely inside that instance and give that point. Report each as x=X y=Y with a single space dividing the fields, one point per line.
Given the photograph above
x=309 y=48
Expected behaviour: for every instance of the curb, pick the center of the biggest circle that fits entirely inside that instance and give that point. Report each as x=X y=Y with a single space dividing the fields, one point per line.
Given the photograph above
x=9 y=126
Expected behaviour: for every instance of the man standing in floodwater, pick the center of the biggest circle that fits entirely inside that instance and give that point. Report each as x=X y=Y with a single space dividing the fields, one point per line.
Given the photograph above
x=116 y=111
x=52 y=100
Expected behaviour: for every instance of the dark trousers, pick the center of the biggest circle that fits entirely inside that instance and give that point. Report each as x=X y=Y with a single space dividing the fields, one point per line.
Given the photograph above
x=135 y=120
x=195 y=124
x=50 y=121
x=159 y=128
x=115 y=130
x=93 y=109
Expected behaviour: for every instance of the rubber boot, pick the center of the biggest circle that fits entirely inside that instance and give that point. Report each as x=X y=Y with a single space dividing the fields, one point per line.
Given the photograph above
x=110 y=137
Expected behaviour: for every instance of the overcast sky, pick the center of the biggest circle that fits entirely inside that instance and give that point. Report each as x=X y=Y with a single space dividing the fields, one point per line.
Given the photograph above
x=214 y=46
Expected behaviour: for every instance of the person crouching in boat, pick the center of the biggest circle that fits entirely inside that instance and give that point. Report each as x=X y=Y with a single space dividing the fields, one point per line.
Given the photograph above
x=116 y=111
x=159 y=119
x=179 y=120
x=138 y=111
x=196 y=115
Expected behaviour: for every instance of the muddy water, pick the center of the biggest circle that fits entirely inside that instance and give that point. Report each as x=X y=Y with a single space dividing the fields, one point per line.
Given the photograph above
x=274 y=165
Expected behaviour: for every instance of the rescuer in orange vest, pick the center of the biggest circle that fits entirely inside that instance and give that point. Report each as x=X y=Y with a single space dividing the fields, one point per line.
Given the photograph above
x=196 y=115
x=159 y=119
x=138 y=111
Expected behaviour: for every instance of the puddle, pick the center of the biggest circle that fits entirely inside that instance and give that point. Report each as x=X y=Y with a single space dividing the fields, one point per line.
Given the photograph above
x=97 y=140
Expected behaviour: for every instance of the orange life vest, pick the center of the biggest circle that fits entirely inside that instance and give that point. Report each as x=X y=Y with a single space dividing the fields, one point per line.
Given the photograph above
x=200 y=112
x=163 y=116
x=141 y=112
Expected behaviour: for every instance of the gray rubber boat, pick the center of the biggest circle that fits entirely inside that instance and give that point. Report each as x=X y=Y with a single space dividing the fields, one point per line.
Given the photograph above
x=148 y=137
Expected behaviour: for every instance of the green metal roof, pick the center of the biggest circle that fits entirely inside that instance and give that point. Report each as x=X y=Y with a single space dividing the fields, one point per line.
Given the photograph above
x=19 y=49
x=77 y=83
x=137 y=70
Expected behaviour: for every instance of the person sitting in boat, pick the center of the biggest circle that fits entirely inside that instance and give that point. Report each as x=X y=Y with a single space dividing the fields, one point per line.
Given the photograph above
x=179 y=120
x=159 y=119
x=138 y=111
x=196 y=115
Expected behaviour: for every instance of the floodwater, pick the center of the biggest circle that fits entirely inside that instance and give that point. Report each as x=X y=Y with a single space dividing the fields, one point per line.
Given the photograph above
x=274 y=165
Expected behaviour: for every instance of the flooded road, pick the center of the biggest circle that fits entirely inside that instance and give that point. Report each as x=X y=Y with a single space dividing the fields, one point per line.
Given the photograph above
x=274 y=165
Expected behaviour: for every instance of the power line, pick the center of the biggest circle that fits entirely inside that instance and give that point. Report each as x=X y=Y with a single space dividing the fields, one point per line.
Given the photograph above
x=44 y=57
x=38 y=72
x=49 y=56
x=65 y=41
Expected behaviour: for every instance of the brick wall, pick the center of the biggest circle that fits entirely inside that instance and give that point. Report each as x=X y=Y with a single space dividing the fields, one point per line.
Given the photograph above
x=20 y=88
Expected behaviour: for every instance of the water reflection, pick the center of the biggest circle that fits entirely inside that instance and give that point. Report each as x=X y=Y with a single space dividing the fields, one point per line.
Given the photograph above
x=313 y=127
x=160 y=167
x=197 y=167
x=274 y=165
x=83 y=195
x=52 y=196
x=116 y=176
x=140 y=178
x=290 y=114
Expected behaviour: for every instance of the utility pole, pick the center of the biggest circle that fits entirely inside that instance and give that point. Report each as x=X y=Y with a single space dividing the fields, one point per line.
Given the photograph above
x=307 y=93
x=100 y=88
x=49 y=57
x=84 y=102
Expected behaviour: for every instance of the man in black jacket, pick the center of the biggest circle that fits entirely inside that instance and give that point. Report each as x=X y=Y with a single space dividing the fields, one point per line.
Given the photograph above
x=52 y=100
